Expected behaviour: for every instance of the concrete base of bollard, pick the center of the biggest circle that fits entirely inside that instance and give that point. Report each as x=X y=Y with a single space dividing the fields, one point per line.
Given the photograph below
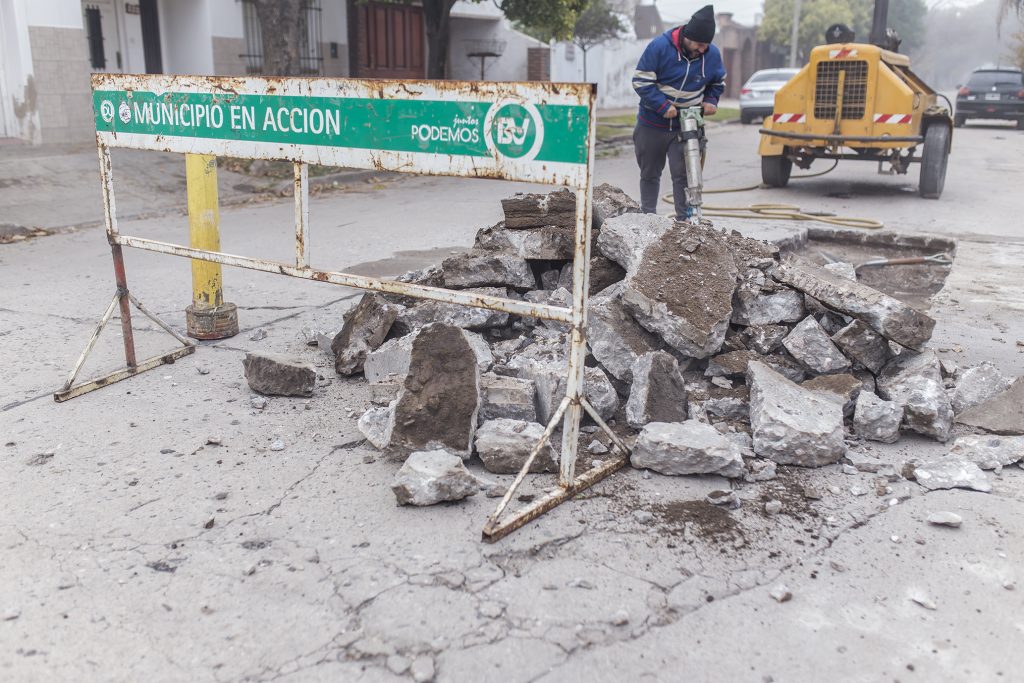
x=220 y=322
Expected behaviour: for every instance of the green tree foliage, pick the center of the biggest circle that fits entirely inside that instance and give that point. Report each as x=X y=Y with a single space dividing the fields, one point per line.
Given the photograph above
x=905 y=16
x=598 y=24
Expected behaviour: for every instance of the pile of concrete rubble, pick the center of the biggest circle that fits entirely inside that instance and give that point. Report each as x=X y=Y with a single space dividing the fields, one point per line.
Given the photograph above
x=708 y=352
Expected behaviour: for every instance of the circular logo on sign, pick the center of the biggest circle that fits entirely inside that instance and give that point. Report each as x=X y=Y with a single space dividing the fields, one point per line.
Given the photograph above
x=125 y=112
x=107 y=110
x=514 y=130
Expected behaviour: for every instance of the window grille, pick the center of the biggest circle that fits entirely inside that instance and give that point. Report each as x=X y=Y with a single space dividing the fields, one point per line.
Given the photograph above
x=855 y=89
x=310 y=56
x=94 y=34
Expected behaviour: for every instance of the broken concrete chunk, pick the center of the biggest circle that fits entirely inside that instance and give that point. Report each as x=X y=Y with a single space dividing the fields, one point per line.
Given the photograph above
x=842 y=269
x=430 y=477
x=544 y=363
x=791 y=425
x=977 y=385
x=392 y=358
x=376 y=425
x=864 y=345
x=950 y=473
x=684 y=298
x=753 y=308
x=467 y=317
x=731 y=364
x=440 y=398
x=950 y=519
x=891 y=318
x=507 y=397
x=614 y=337
x=989 y=451
x=549 y=243
x=537 y=210
x=487 y=269
x=783 y=364
x=813 y=349
x=915 y=382
x=765 y=338
x=278 y=375
x=625 y=238
x=366 y=326
x=876 y=419
x=504 y=445
x=761 y=470
x=843 y=389
x=658 y=393
x=1001 y=414
x=728 y=407
x=689 y=447
x=610 y=201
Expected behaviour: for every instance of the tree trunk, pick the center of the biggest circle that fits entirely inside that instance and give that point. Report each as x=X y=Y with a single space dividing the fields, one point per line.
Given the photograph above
x=436 y=15
x=584 y=51
x=283 y=33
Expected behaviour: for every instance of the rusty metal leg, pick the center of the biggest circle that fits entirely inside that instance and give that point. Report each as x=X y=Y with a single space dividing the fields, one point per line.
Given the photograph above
x=126 y=311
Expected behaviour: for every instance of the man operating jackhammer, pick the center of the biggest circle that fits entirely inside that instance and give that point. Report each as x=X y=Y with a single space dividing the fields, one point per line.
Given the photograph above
x=679 y=70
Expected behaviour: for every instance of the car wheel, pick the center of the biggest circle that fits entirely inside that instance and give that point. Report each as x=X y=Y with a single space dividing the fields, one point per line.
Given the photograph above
x=959 y=120
x=745 y=118
x=775 y=170
x=1020 y=123
x=934 y=159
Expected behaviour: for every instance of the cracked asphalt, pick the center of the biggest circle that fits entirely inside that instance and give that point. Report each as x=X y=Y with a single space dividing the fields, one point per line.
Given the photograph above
x=149 y=532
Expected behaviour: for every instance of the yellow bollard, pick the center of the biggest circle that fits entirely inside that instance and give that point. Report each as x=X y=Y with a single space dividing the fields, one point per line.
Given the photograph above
x=209 y=317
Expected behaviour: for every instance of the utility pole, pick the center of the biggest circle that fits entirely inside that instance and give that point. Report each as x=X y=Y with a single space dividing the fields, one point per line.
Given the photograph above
x=795 y=34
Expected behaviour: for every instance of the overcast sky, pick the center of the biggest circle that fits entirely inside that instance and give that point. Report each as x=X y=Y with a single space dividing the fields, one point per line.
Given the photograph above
x=678 y=11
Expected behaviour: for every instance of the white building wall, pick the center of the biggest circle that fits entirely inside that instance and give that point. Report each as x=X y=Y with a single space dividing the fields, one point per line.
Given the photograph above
x=54 y=13
x=610 y=65
x=185 y=37
x=226 y=18
x=511 y=66
x=19 y=115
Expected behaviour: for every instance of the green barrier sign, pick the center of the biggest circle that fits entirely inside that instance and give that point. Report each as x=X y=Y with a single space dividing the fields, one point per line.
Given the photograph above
x=503 y=129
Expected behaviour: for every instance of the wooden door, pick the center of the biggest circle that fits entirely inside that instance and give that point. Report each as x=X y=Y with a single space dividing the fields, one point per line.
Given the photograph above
x=386 y=40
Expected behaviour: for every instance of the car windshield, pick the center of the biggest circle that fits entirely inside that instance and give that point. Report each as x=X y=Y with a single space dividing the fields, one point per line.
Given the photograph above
x=991 y=79
x=766 y=76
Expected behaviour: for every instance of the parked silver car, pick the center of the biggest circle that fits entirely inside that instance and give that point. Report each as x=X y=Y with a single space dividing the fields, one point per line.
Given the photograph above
x=757 y=97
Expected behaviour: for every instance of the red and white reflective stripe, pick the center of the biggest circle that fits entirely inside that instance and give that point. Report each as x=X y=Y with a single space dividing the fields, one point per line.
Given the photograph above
x=892 y=118
x=788 y=118
x=840 y=54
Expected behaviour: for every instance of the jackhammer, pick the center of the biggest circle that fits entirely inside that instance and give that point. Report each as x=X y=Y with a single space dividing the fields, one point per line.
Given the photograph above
x=691 y=135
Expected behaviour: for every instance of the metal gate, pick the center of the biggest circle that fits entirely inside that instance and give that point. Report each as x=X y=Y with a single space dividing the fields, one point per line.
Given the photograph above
x=532 y=132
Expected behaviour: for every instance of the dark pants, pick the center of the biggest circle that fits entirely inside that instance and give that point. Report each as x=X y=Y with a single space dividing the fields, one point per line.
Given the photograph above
x=652 y=146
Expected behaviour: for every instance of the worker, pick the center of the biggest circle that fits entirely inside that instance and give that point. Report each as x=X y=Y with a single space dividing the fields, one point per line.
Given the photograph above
x=678 y=69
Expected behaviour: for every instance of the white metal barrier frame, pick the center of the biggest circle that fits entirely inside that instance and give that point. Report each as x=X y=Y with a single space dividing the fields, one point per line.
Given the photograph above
x=533 y=132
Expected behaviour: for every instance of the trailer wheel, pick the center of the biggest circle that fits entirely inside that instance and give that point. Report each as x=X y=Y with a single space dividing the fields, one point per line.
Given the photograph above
x=959 y=120
x=934 y=159
x=775 y=170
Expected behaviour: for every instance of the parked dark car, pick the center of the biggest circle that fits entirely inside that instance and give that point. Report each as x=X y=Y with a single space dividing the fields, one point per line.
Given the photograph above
x=991 y=93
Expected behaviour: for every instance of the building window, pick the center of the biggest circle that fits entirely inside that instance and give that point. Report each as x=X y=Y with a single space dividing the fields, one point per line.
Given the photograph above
x=94 y=34
x=310 y=57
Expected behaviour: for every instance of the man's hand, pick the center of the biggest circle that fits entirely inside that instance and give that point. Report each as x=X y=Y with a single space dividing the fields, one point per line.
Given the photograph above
x=710 y=109
x=671 y=112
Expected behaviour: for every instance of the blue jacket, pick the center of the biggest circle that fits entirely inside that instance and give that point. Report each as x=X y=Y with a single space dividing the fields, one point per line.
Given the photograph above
x=664 y=76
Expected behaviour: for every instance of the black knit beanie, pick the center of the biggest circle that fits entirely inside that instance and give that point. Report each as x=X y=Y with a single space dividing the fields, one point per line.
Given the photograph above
x=701 y=27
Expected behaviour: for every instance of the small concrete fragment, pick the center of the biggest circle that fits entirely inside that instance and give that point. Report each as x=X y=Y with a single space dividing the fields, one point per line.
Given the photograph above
x=685 y=298
x=781 y=593
x=467 y=317
x=431 y=477
x=393 y=357
x=625 y=238
x=889 y=317
x=950 y=519
x=876 y=419
x=843 y=389
x=366 y=325
x=487 y=269
x=976 y=385
x=1001 y=414
x=765 y=339
x=813 y=348
x=507 y=398
x=438 y=405
x=532 y=210
x=376 y=425
x=504 y=445
x=610 y=201
x=731 y=364
x=614 y=337
x=274 y=374
x=658 y=392
x=755 y=308
x=689 y=447
x=989 y=451
x=791 y=425
x=864 y=345
x=915 y=382
x=950 y=473
x=549 y=243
